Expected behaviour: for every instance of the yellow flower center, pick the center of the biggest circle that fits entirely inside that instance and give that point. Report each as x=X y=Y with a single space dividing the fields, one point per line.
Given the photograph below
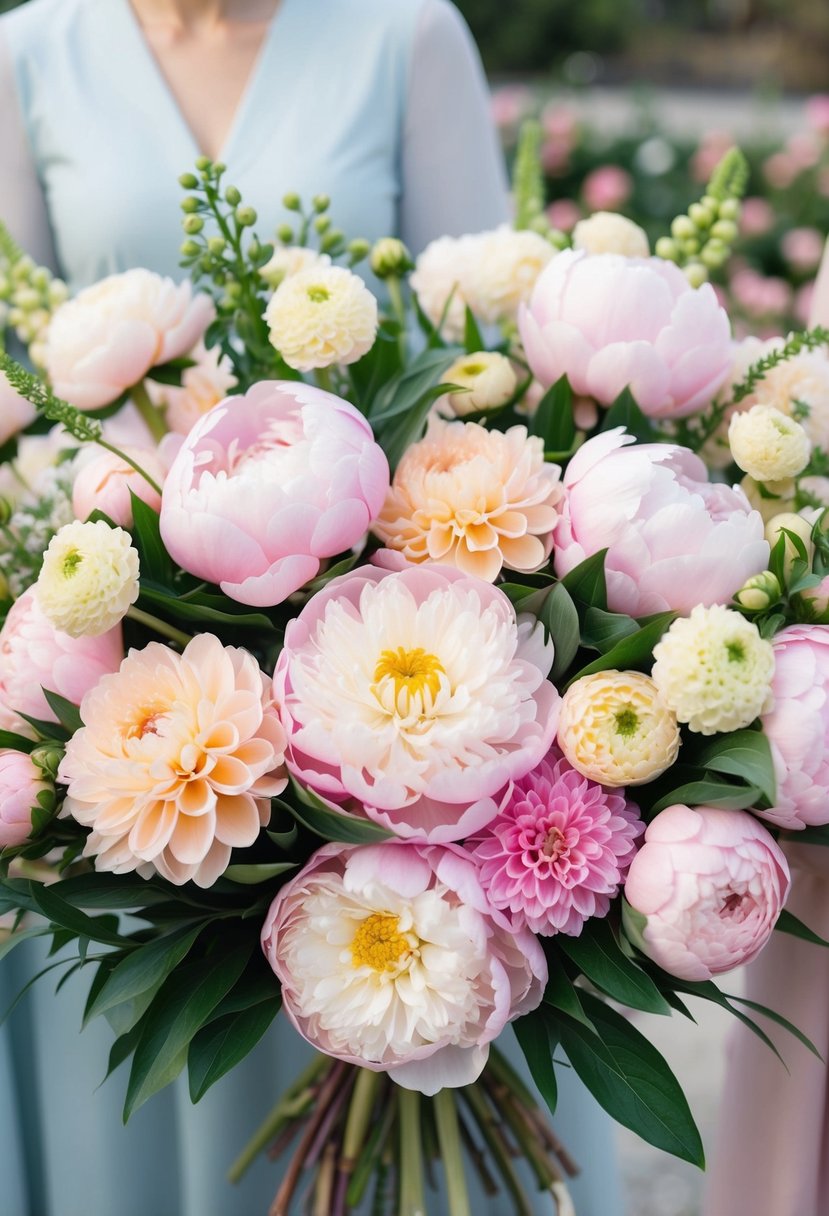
x=318 y=295
x=378 y=944
x=71 y=561
x=472 y=369
x=413 y=671
x=627 y=722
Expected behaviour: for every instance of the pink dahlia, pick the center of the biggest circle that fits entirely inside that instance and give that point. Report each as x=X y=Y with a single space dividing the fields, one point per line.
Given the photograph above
x=558 y=851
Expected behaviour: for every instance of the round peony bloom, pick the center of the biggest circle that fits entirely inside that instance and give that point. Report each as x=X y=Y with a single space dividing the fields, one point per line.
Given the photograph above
x=473 y=498
x=203 y=385
x=109 y=336
x=177 y=761
x=767 y=444
x=674 y=539
x=556 y=854
x=710 y=884
x=797 y=727
x=607 y=232
x=15 y=411
x=34 y=656
x=417 y=693
x=268 y=485
x=89 y=578
x=714 y=670
x=21 y=784
x=390 y=956
x=486 y=380
x=104 y=484
x=609 y=323
x=616 y=729
x=322 y=316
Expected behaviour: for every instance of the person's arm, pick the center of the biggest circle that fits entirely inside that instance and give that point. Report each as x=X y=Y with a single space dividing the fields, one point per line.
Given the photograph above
x=453 y=175
x=819 y=312
x=22 y=205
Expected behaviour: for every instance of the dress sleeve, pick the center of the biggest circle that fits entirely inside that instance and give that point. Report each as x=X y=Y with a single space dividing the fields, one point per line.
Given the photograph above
x=453 y=174
x=819 y=312
x=22 y=203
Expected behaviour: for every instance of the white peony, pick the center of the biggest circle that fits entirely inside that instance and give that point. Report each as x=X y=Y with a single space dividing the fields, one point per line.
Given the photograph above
x=89 y=578
x=768 y=444
x=322 y=316
x=607 y=232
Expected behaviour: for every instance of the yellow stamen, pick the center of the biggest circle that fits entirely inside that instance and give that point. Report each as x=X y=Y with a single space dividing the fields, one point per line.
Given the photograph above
x=413 y=671
x=378 y=944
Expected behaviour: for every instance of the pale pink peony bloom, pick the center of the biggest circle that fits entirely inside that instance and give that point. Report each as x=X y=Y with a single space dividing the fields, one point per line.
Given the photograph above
x=610 y=322
x=802 y=248
x=267 y=485
x=817 y=113
x=760 y=295
x=473 y=498
x=177 y=761
x=711 y=884
x=756 y=216
x=104 y=484
x=390 y=956
x=674 y=539
x=607 y=188
x=109 y=336
x=556 y=854
x=34 y=656
x=797 y=727
x=21 y=782
x=15 y=411
x=203 y=385
x=417 y=694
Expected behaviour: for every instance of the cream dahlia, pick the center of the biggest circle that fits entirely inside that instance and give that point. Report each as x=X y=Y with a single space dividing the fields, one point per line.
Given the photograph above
x=89 y=578
x=472 y=498
x=176 y=762
x=322 y=316
x=768 y=444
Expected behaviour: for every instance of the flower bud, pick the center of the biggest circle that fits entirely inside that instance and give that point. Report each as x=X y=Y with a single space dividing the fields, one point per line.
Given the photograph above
x=322 y=223
x=217 y=245
x=320 y=202
x=6 y=510
x=486 y=381
x=254 y=249
x=768 y=444
x=683 y=228
x=358 y=249
x=332 y=240
x=758 y=592
x=696 y=274
x=21 y=787
x=666 y=248
x=193 y=224
x=219 y=167
x=714 y=254
x=390 y=258
x=188 y=181
x=190 y=249
x=203 y=163
x=47 y=757
x=701 y=216
x=725 y=231
x=285 y=233
x=245 y=216
x=291 y=202
x=233 y=197
x=730 y=209
x=189 y=204
x=788 y=522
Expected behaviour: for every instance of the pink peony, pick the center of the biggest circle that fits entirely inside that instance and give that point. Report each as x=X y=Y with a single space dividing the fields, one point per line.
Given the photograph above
x=557 y=852
x=802 y=248
x=21 y=783
x=564 y=214
x=268 y=485
x=798 y=727
x=390 y=956
x=417 y=693
x=607 y=188
x=34 y=656
x=710 y=884
x=756 y=216
x=817 y=112
x=674 y=539
x=15 y=411
x=108 y=337
x=104 y=484
x=610 y=322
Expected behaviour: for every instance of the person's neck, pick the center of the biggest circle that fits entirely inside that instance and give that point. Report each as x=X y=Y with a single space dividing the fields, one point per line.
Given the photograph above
x=192 y=14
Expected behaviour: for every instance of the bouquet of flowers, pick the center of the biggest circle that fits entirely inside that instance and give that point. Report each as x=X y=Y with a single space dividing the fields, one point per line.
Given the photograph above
x=399 y=668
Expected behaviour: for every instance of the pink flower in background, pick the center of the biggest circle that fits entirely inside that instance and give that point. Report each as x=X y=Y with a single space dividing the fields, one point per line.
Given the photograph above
x=34 y=656
x=21 y=782
x=108 y=337
x=804 y=148
x=560 y=122
x=268 y=485
x=817 y=113
x=104 y=484
x=557 y=852
x=15 y=411
x=804 y=299
x=674 y=539
x=509 y=104
x=760 y=295
x=798 y=727
x=802 y=248
x=711 y=884
x=390 y=956
x=555 y=156
x=417 y=693
x=607 y=188
x=609 y=323
x=712 y=149
x=757 y=216
x=780 y=170
x=564 y=214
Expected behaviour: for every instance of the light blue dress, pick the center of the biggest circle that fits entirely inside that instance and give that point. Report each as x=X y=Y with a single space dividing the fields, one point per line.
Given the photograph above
x=382 y=105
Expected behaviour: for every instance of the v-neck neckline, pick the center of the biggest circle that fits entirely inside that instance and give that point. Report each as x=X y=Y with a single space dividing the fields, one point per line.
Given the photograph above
x=246 y=97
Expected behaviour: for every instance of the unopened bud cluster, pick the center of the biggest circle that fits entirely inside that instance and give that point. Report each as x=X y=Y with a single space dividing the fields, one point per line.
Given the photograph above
x=702 y=240
x=29 y=295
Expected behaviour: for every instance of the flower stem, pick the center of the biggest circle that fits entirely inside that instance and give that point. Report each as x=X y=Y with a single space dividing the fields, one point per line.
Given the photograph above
x=102 y=443
x=446 y=1116
x=141 y=400
x=273 y=1123
x=359 y=1116
x=486 y=1122
x=412 y=1200
x=160 y=627
x=398 y=307
x=323 y=378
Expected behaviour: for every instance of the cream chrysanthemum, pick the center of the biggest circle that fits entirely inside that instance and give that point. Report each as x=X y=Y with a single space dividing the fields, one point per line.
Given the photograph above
x=616 y=729
x=714 y=670
x=322 y=316
x=89 y=578
x=486 y=381
x=176 y=762
x=473 y=498
x=609 y=232
x=768 y=444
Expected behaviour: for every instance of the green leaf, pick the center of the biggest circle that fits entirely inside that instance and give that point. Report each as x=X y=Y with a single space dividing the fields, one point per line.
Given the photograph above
x=113 y=891
x=632 y=652
x=600 y=957
x=205 y=609
x=561 y=994
x=97 y=928
x=809 y=836
x=586 y=582
x=144 y=969
x=17 y=743
x=553 y=419
x=250 y=875
x=787 y=922
x=223 y=1043
x=745 y=754
x=560 y=619
x=472 y=338
x=14 y=939
x=155 y=561
x=331 y=824
x=631 y=1080
x=66 y=713
x=779 y=1019
x=706 y=792
x=625 y=412
x=180 y=1008
x=401 y=394
x=537 y=1038
x=601 y=630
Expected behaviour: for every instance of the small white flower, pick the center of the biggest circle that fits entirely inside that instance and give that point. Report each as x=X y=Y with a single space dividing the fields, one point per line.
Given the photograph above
x=322 y=316
x=607 y=232
x=714 y=670
x=89 y=578
x=486 y=380
x=768 y=444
